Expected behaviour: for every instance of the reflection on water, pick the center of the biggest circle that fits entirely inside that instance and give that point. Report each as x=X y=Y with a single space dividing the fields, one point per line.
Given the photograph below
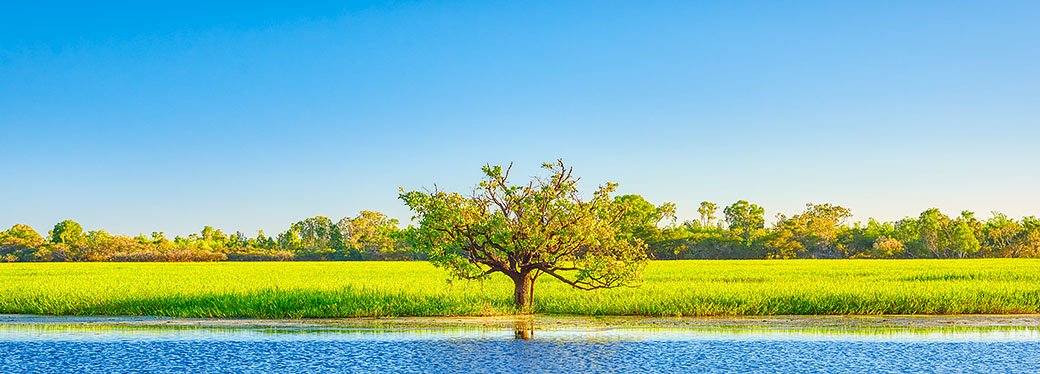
x=50 y=347
x=523 y=330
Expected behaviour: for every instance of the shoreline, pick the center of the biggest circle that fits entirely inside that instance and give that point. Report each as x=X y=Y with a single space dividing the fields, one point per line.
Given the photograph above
x=554 y=322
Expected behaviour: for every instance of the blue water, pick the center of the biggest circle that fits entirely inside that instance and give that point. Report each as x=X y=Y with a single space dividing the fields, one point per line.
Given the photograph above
x=36 y=348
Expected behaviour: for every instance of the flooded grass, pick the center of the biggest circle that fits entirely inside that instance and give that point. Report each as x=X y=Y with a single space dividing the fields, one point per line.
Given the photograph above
x=383 y=289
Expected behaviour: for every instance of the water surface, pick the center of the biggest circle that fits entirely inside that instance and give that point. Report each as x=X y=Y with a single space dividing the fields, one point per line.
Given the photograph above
x=104 y=348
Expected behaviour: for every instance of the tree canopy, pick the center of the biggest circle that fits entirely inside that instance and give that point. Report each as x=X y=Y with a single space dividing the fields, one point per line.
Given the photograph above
x=526 y=230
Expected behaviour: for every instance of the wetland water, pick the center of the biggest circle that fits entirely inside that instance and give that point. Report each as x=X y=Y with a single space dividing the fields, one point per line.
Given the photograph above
x=99 y=347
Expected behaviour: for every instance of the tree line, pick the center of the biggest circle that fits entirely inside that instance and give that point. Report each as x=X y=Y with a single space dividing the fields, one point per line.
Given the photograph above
x=367 y=236
x=736 y=231
x=822 y=231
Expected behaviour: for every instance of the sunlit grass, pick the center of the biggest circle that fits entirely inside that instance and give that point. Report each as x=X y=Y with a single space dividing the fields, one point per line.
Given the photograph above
x=670 y=288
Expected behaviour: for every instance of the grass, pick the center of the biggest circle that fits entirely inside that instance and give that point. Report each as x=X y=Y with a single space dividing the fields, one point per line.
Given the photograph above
x=670 y=288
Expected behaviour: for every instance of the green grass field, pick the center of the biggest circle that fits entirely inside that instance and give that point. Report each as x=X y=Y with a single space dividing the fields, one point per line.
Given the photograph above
x=670 y=288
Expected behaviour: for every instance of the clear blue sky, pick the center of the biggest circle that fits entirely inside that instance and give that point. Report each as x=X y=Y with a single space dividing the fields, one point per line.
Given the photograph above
x=134 y=117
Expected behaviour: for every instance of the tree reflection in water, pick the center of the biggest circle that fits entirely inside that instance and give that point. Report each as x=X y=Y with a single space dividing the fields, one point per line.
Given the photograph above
x=523 y=329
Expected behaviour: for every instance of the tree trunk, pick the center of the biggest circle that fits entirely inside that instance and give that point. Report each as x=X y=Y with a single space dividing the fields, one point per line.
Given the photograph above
x=524 y=285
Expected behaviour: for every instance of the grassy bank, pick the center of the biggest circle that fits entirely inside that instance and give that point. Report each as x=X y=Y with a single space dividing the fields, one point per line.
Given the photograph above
x=670 y=288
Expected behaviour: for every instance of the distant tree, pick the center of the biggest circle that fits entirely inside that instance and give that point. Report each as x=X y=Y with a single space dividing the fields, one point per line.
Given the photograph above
x=907 y=231
x=261 y=241
x=816 y=230
x=962 y=240
x=159 y=238
x=746 y=220
x=289 y=240
x=781 y=243
x=999 y=233
x=19 y=243
x=859 y=240
x=974 y=225
x=67 y=232
x=318 y=237
x=237 y=240
x=371 y=235
x=707 y=210
x=99 y=244
x=523 y=231
x=1027 y=242
x=674 y=241
x=710 y=242
x=214 y=236
x=886 y=247
x=934 y=234
x=641 y=219
x=931 y=226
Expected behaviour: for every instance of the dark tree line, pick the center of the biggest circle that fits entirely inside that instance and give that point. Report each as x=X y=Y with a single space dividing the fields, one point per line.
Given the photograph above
x=820 y=231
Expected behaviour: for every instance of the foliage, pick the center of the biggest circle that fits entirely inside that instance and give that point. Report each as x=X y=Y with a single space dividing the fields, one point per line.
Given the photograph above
x=813 y=233
x=542 y=227
x=68 y=232
x=373 y=236
x=19 y=243
x=746 y=221
x=641 y=219
x=707 y=210
x=311 y=239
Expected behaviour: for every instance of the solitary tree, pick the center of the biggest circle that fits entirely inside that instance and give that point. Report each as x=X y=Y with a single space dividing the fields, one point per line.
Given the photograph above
x=524 y=231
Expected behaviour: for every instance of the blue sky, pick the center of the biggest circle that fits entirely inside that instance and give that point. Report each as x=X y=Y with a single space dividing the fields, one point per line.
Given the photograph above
x=135 y=117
